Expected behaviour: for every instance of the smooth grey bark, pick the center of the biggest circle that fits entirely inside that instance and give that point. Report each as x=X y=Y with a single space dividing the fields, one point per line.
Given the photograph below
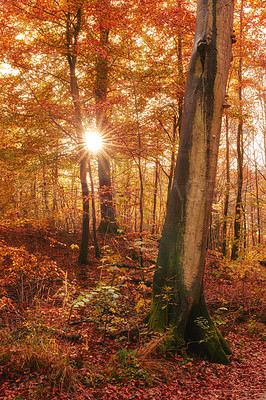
x=178 y=302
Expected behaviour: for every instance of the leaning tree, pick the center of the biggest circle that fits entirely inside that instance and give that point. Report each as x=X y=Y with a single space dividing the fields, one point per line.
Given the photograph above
x=178 y=303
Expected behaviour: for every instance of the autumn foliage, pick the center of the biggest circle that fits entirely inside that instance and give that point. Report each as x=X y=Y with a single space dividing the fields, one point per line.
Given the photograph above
x=70 y=330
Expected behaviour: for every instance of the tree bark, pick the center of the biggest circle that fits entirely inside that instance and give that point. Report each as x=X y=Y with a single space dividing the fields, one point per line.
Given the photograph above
x=155 y=191
x=93 y=208
x=72 y=33
x=108 y=221
x=238 y=209
x=178 y=302
x=173 y=149
x=257 y=203
x=226 y=200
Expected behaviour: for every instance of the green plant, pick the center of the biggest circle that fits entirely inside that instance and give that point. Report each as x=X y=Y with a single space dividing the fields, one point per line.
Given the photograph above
x=203 y=324
x=125 y=364
x=102 y=304
x=256 y=328
x=220 y=316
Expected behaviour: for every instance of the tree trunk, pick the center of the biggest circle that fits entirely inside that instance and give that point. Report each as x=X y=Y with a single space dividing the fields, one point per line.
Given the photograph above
x=83 y=253
x=138 y=159
x=153 y=230
x=72 y=32
x=178 y=301
x=257 y=203
x=93 y=208
x=173 y=151
x=226 y=200
x=108 y=222
x=238 y=209
x=177 y=120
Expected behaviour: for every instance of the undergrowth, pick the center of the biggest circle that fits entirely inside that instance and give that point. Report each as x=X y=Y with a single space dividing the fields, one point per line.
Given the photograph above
x=72 y=336
x=32 y=348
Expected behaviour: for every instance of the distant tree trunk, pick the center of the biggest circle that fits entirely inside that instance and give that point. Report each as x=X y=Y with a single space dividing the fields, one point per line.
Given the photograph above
x=178 y=301
x=72 y=33
x=55 y=180
x=95 y=240
x=226 y=200
x=252 y=223
x=257 y=203
x=55 y=187
x=45 y=190
x=238 y=209
x=138 y=161
x=263 y=102
x=83 y=252
x=153 y=230
x=108 y=221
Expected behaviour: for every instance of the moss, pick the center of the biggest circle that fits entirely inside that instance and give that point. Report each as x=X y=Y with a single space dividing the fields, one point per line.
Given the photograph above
x=223 y=342
x=214 y=352
x=197 y=335
x=157 y=316
x=204 y=338
x=175 y=342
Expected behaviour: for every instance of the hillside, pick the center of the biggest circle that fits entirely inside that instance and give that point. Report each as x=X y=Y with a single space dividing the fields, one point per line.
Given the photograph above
x=68 y=332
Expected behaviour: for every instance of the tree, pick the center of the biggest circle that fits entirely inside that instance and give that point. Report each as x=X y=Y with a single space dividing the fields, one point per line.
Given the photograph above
x=73 y=26
x=108 y=222
x=240 y=151
x=227 y=190
x=178 y=302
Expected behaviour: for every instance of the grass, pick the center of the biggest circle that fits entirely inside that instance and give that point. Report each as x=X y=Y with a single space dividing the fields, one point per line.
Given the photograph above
x=30 y=349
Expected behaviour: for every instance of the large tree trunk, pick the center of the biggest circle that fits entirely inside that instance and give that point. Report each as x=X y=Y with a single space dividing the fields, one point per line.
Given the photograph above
x=178 y=301
x=108 y=221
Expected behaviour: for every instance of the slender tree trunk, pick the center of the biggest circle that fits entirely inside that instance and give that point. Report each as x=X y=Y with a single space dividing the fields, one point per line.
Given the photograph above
x=238 y=209
x=139 y=161
x=153 y=230
x=257 y=203
x=36 y=209
x=108 y=221
x=178 y=301
x=252 y=224
x=93 y=209
x=263 y=102
x=45 y=190
x=72 y=33
x=83 y=253
x=226 y=200
x=55 y=187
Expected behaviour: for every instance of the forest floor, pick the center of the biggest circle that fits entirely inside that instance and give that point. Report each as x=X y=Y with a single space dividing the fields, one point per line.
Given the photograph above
x=68 y=332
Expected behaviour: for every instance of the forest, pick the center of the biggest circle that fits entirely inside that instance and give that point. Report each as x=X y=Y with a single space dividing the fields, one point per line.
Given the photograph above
x=132 y=199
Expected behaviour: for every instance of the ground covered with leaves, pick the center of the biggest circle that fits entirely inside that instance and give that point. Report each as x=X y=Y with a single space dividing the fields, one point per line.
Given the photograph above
x=70 y=332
